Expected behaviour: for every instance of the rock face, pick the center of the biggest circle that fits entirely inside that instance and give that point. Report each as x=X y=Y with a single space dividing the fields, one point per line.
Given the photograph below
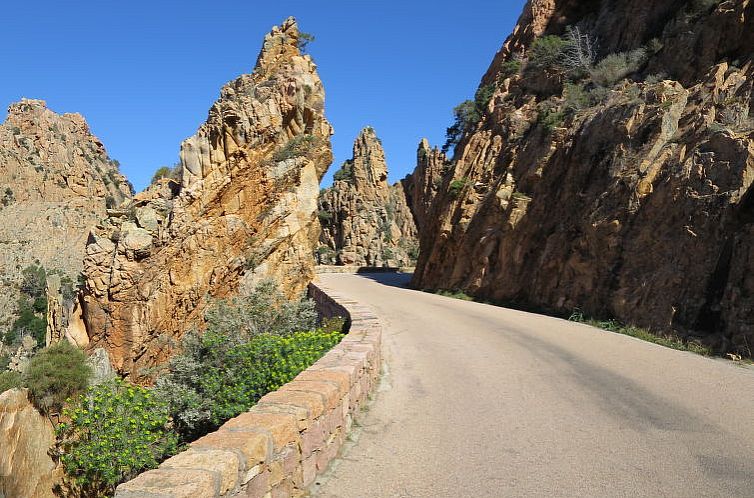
x=26 y=470
x=632 y=200
x=56 y=181
x=244 y=209
x=365 y=220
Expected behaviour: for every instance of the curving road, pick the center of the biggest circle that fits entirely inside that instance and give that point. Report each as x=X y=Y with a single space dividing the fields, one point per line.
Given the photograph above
x=480 y=401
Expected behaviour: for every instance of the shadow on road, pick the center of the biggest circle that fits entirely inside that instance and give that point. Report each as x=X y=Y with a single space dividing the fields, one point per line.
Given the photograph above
x=400 y=280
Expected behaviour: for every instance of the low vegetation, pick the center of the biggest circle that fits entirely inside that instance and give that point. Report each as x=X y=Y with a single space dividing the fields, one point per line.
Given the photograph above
x=298 y=146
x=113 y=431
x=55 y=374
x=668 y=340
x=162 y=172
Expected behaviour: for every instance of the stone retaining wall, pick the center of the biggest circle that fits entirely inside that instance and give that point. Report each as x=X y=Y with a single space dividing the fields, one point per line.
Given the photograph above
x=278 y=447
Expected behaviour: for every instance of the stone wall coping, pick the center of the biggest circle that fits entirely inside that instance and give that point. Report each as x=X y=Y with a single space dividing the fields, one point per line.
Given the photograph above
x=279 y=446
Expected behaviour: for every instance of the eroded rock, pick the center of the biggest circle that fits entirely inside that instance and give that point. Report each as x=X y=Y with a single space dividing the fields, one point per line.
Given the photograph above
x=243 y=209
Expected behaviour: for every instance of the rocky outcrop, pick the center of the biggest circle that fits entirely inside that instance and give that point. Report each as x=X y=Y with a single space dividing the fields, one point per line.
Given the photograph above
x=422 y=185
x=365 y=220
x=56 y=182
x=631 y=200
x=243 y=209
x=26 y=469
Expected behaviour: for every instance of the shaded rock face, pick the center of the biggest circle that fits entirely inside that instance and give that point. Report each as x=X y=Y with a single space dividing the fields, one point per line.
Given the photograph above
x=26 y=470
x=365 y=220
x=244 y=209
x=56 y=182
x=639 y=207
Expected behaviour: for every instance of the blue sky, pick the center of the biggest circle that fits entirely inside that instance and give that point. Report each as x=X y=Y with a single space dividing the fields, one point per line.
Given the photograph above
x=144 y=73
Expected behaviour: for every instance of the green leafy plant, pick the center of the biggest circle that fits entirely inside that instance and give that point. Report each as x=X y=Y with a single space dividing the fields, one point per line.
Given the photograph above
x=115 y=431
x=218 y=376
x=55 y=374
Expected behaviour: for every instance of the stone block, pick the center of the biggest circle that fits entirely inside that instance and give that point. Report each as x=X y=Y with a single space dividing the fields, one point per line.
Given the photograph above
x=281 y=426
x=313 y=402
x=225 y=463
x=171 y=483
x=254 y=447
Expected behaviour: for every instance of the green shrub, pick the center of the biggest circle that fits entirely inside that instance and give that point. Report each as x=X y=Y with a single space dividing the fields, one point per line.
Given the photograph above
x=467 y=114
x=29 y=322
x=216 y=377
x=551 y=119
x=300 y=145
x=55 y=374
x=10 y=380
x=324 y=216
x=457 y=186
x=509 y=68
x=263 y=310
x=546 y=52
x=616 y=67
x=345 y=173
x=116 y=431
x=304 y=39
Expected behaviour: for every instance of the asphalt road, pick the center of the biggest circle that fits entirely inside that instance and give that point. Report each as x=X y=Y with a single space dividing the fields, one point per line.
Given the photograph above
x=481 y=401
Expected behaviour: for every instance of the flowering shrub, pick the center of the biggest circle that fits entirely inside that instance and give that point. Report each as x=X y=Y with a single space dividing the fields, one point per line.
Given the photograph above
x=113 y=432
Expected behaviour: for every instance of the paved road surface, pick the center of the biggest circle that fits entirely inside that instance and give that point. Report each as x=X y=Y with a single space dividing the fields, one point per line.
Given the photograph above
x=481 y=401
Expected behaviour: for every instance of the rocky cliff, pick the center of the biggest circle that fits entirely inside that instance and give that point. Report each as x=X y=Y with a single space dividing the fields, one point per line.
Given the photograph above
x=26 y=469
x=365 y=220
x=56 y=182
x=606 y=164
x=243 y=209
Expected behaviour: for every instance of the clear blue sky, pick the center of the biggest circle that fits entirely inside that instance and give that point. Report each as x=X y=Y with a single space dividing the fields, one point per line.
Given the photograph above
x=144 y=73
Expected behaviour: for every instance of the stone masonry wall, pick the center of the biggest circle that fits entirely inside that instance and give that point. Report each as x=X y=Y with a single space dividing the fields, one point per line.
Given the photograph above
x=280 y=445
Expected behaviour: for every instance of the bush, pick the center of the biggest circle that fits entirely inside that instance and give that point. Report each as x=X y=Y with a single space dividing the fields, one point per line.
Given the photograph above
x=10 y=380
x=298 y=146
x=116 y=431
x=324 y=216
x=304 y=39
x=509 y=68
x=167 y=172
x=345 y=173
x=550 y=119
x=55 y=374
x=264 y=310
x=456 y=186
x=216 y=377
x=616 y=67
x=546 y=52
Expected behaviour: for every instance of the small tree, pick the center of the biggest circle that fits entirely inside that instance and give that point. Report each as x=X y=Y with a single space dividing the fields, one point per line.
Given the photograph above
x=55 y=374
x=304 y=39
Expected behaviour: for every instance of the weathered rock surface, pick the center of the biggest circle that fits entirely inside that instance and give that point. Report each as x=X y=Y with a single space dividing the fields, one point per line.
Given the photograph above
x=244 y=209
x=639 y=207
x=56 y=181
x=365 y=220
x=26 y=469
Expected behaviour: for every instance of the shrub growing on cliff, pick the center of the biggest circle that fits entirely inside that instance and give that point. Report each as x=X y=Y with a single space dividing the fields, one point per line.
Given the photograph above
x=466 y=115
x=457 y=186
x=300 y=145
x=115 y=431
x=615 y=67
x=55 y=374
x=9 y=380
